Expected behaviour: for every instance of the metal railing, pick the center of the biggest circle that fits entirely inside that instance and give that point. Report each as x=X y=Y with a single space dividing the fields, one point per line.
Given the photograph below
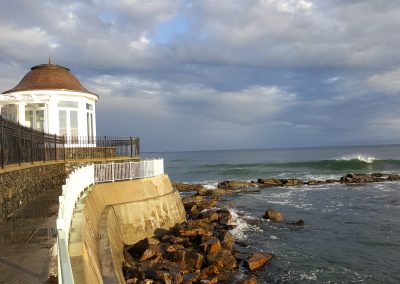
x=128 y=170
x=77 y=182
x=19 y=144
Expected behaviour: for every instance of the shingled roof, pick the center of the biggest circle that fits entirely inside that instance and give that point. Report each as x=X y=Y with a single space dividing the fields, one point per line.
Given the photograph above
x=49 y=77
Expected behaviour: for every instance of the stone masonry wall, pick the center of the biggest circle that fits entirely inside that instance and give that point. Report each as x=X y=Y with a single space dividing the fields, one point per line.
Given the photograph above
x=18 y=187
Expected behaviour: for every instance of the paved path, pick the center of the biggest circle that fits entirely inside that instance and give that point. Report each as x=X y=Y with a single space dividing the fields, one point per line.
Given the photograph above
x=27 y=241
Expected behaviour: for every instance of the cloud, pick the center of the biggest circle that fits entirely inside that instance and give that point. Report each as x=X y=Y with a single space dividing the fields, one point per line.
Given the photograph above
x=228 y=73
x=386 y=82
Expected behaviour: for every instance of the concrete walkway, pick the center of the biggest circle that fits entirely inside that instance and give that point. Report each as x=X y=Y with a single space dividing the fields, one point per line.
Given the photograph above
x=27 y=241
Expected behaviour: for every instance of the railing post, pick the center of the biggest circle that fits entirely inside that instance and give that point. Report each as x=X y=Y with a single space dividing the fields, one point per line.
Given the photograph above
x=32 y=145
x=44 y=148
x=2 y=141
x=112 y=172
x=55 y=147
x=63 y=141
x=105 y=148
x=130 y=170
x=19 y=144
x=130 y=138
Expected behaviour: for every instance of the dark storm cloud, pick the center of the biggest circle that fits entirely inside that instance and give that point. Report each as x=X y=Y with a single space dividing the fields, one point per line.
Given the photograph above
x=220 y=74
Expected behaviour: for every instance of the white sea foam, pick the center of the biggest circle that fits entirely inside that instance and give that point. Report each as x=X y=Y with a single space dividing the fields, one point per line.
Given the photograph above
x=241 y=226
x=360 y=157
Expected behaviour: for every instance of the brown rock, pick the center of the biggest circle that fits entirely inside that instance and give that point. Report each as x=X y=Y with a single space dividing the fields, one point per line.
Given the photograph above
x=211 y=246
x=292 y=182
x=172 y=248
x=206 y=204
x=233 y=184
x=138 y=248
x=247 y=281
x=152 y=251
x=315 y=182
x=269 y=182
x=331 y=180
x=224 y=216
x=190 y=278
x=223 y=259
x=188 y=260
x=159 y=275
x=393 y=177
x=273 y=215
x=227 y=239
x=257 y=260
x=179 y=240
x=186 y=187
x=193 y=231
x=210 y=215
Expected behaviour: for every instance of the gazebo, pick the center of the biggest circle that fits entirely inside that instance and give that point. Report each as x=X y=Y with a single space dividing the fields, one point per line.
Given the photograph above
x=50 y=98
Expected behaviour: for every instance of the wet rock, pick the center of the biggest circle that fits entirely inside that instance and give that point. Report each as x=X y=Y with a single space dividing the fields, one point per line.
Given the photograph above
x=209 y=216
x=211 y=246
x=257 y=260
x=393 y=177
x=292 y=182
x=187 y=187
x=315 y=182
x=269 y=182
x=224 y=216
x=215 y=192
x=227 y=240
x=331 y=180
x=206 y=204
x=299 y=223
x=223 y=259
x=179 y=240
x=233 y=184
x=273 y=215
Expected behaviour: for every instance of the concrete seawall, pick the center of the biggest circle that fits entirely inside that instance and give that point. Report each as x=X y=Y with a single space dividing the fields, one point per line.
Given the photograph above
x=111 y=215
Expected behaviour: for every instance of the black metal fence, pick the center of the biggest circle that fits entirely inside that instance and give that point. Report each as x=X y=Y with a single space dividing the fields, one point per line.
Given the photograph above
x=19 y=144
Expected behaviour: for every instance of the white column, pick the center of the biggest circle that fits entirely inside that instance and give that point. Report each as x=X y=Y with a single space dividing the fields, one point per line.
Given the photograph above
x=21 y=113
x=52 y=117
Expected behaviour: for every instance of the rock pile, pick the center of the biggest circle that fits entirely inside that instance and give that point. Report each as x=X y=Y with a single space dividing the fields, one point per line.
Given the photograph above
x=201 y=250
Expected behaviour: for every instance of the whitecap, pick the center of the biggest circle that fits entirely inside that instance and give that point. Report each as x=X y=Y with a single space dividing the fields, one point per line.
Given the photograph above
x=360 y=157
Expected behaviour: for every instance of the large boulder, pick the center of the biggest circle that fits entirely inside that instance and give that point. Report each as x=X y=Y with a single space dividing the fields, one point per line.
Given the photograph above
x=257 y=260
x=269 y=182
x=273 y=215
x=227 y=239
x=211 y=246
x=234 y=184
x=223 y=259
x=187 y=187
x=193 y=231
x=188 y=260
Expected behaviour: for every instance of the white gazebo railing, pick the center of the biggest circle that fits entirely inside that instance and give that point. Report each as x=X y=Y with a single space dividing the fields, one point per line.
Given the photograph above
x=128 y=170
x=81 y=179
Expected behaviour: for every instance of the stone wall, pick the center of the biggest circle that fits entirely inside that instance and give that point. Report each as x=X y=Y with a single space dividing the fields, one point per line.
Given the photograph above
x=20 y=185
x=112 y=215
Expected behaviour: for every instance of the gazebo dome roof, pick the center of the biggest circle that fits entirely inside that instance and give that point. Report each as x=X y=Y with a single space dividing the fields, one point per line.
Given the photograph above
x=49 y=77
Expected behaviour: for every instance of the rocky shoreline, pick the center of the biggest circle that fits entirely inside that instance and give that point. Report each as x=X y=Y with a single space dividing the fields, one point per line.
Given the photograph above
x=201 y=250
x=225 y=186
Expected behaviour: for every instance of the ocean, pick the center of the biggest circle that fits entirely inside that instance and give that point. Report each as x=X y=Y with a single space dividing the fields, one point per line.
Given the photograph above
x=351 y=232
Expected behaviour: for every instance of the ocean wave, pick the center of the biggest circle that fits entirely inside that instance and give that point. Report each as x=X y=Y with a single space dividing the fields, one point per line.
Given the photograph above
x=241 y=226
x=359 y=157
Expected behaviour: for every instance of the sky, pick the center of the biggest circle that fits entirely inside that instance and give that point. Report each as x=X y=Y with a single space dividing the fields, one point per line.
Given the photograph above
x=220 y=74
